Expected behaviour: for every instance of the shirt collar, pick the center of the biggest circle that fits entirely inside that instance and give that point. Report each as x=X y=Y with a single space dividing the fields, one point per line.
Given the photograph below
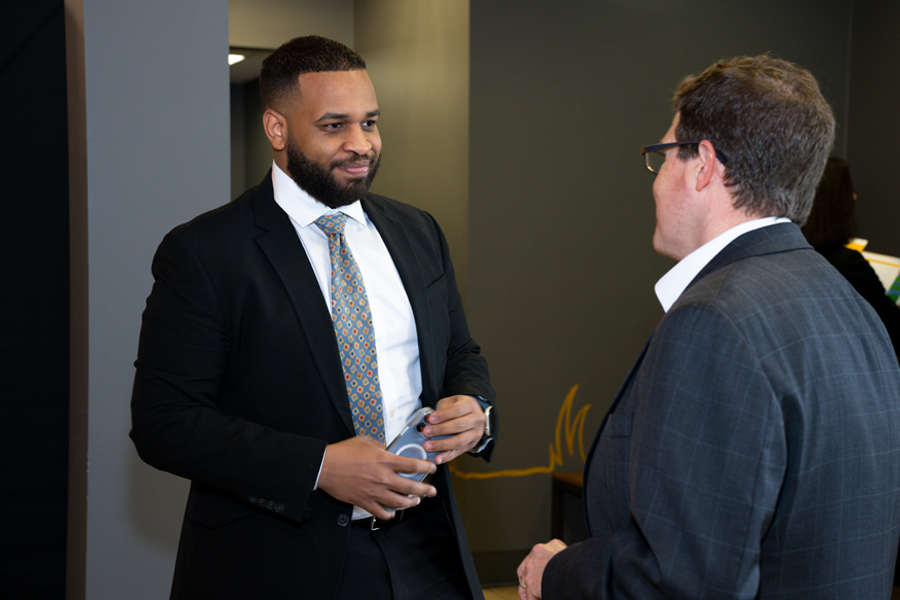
x=670 y=287
x=303 y=208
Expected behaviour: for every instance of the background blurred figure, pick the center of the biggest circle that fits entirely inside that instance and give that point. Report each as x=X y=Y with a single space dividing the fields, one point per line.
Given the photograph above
x=830 y=227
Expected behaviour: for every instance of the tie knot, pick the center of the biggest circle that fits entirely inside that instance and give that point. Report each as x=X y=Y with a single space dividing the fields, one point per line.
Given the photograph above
x=332 y=224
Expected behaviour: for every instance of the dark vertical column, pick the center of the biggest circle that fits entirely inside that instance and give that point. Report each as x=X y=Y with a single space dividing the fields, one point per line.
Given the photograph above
x=34 y=300
x=874 y=123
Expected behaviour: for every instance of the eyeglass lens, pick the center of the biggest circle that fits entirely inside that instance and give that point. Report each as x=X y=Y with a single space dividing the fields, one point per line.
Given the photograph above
x=655 y=160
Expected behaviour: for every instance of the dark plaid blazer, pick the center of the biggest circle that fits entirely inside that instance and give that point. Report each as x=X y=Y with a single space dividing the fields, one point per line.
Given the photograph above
x=754 y=450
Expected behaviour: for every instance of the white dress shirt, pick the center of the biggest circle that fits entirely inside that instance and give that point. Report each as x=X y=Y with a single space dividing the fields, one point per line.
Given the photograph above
x=396 y=340
x=676 y=280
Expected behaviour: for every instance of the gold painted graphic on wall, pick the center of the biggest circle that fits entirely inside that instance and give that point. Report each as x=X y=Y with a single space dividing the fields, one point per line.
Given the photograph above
x=565 y=425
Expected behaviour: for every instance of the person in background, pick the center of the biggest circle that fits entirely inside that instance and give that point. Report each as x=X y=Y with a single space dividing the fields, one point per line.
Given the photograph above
x=288 y=336
x=829 y=229
x=753 y=452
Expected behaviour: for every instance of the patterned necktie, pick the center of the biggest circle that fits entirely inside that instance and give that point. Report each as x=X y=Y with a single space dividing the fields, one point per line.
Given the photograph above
x=352 y=317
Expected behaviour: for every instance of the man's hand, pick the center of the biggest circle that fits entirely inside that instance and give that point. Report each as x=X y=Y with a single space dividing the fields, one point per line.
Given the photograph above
x=460 y=417
x=360 y=471
x=531 y=571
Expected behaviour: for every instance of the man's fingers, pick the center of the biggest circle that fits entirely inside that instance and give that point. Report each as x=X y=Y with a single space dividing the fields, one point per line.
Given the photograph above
x=453 y=446
x=455 y=407
x=361 y=472
x=408 y=487
x=405 y=464
x=447 y=412
x=531 y=569
x=402 y=493
x=387 y=507
x=382 y=512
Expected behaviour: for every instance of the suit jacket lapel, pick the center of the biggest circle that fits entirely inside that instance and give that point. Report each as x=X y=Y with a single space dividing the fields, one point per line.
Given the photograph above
x=623 y=389
x=285 y=252
x=615 y=403
x=391 y=228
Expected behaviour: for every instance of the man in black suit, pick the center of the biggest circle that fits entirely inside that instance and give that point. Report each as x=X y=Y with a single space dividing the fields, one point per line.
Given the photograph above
x=240 y=385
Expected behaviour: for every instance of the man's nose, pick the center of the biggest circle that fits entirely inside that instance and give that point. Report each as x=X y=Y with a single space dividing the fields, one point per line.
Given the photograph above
x=358 y=141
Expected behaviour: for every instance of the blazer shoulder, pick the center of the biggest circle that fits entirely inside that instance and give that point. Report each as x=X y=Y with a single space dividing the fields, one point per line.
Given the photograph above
x=761 y=279
x=241 y=214
x=388 y=207
x=751 y=255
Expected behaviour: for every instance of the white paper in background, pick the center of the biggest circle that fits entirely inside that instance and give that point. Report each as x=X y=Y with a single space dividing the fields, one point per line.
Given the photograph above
x=886 y=267
x=888 y=270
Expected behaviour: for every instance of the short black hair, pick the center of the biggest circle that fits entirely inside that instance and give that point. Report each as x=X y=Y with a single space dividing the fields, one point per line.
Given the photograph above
x=309 y=54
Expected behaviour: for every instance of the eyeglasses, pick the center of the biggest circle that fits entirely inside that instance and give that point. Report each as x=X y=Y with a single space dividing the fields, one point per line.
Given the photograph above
x=655 y=155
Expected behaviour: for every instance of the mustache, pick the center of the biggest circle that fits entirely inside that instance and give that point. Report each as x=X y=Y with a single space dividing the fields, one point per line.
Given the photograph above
x=371 y=158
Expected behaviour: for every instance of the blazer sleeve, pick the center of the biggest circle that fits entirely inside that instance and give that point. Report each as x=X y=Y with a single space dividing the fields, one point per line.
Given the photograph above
x=706 y=459
x=177 y=423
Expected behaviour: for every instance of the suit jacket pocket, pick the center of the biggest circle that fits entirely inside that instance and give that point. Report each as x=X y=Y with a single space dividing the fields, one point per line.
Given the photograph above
x=607 y=484
x=213 y=510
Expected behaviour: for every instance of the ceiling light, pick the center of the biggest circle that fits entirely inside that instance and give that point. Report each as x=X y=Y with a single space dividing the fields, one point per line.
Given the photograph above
x=235 y=58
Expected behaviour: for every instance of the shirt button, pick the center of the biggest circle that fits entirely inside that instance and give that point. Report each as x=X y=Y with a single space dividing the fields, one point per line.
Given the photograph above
x=392 y=413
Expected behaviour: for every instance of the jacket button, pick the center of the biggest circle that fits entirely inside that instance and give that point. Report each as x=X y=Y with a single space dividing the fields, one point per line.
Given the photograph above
x=270 y=505
x=252 y=499
x=261 y=501
x=279 y=508
x=343 y=520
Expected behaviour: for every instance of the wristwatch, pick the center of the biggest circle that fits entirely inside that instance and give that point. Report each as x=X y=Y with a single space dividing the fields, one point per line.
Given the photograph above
x=487 y=420
x=487 y=437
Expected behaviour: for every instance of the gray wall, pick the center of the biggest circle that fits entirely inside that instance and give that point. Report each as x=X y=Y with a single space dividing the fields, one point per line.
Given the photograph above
x=563 y=96
x=149 y=149
x=874 y=123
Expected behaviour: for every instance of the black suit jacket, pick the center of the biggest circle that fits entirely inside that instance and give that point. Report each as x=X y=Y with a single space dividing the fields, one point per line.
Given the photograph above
x=857 y=270
x=239 y=388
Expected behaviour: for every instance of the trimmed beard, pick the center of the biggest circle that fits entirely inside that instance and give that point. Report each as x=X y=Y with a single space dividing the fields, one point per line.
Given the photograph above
x=319 y=181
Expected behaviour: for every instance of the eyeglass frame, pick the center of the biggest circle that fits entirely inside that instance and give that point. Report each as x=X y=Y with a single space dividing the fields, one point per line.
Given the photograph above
x=658 y=148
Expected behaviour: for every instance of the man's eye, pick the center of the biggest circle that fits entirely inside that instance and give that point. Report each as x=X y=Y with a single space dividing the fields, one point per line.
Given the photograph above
x=370 y=124
x=333 y=126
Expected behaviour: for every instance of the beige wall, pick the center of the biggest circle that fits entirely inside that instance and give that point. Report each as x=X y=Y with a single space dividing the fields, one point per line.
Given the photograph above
x=417 y=54
x=270 y=23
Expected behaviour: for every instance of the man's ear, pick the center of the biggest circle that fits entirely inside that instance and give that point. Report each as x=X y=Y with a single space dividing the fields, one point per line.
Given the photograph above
x=708 y=164
x=275 y=126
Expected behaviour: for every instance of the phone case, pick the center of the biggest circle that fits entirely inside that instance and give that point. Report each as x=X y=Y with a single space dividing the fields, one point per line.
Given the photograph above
x=410 y=441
